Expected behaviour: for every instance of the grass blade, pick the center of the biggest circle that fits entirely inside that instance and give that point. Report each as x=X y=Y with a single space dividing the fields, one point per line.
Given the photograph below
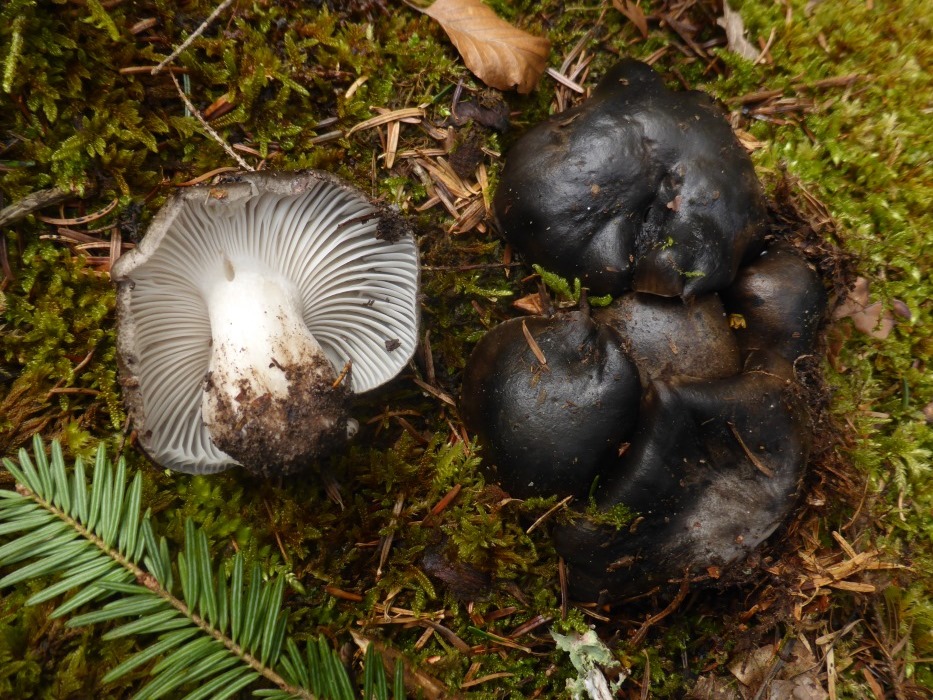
x=28 y=522
x=23 y=472
x=42 y=469
x=398 y=683
x=208 y=605
x=97 y=489
x=225 y=685
x=113 y=504
x=122 y=607
x=223 y=609
x=36 y=543
x=236 y=598
x=69 y=556
x=129 y=526
x=251 y=614
x=188 y=566
x=93 y=592
x=79 y=491
x=271 y=613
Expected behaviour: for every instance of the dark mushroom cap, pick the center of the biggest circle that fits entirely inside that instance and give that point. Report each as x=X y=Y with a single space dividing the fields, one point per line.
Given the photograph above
x=637 y=188
x=674 y=337
x=549 y=426
x=781 y=300
x=713 y=469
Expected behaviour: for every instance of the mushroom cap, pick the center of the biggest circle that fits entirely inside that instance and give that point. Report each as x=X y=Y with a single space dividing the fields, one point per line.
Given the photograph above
x=549 y=428
x=782 y=301
x=670 y=337
x=637 y=188
x=320 y=242
x=713 y=469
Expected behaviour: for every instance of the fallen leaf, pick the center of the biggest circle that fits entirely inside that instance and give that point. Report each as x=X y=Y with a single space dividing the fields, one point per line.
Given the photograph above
x=502 y=56
x=867 y=316
x=713 y=688
x=634 y=14
x=530 y=304
x=736 y=42
x=775 y=674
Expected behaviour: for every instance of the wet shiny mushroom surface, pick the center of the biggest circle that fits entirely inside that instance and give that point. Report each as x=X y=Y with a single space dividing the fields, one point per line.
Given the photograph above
x=678 y=404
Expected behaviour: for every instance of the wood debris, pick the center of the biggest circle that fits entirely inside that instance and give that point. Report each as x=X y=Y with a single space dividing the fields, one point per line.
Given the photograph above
x=815 y=573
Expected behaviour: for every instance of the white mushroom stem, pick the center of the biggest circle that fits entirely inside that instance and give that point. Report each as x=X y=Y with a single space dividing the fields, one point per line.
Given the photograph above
x=267 y=372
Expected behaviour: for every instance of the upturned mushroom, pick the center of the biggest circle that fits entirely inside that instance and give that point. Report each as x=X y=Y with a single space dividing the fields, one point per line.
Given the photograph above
x=637 y=188
x=252 y=310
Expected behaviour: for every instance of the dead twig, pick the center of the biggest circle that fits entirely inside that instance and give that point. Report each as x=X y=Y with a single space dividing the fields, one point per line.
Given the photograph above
x=207 y=127
x=533 y=345
x=642 y=632
x=548 y=513
x=387 y=541
x=194 y=35
x=32 y=203
x=759 y=465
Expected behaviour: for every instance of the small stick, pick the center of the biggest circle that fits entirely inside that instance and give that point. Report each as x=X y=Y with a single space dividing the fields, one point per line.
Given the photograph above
x=562 y=575
x=759 y=465
x=32 y=202
x=477 y=266
x=446 y=500
x=549 y=512
x=436 y=393
x=654 y=619
x=343 y=595
x=428 y=359
x=535 y=348
x=191 y=108
x=80 y=220
x=387 y=542
x=343 y=374
x=194 y=35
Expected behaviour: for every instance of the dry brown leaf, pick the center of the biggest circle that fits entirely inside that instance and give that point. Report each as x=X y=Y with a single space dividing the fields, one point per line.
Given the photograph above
x=502 y=56
x=775 y=674
x=732 y=22
x=867 y=316
x=634 y=14
x=530 y=304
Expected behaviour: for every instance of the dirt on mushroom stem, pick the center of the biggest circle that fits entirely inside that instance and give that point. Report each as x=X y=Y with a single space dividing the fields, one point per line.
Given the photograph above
x=258 y=428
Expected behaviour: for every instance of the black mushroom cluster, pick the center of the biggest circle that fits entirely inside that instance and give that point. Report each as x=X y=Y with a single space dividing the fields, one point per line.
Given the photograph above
x=678 y=402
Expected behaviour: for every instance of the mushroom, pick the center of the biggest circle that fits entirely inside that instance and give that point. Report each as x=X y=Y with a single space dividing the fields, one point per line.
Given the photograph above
x=637 y=188
x=551 y=401
x=714 y=467
x=646 y=194
x=669 y=337
x=781 y=302
x=252 y=310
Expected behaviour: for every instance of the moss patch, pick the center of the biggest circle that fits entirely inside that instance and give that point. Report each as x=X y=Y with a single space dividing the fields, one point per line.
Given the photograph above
x=846 y=121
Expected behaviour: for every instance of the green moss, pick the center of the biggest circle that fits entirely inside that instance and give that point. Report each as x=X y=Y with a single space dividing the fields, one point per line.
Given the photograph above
x=70 y=118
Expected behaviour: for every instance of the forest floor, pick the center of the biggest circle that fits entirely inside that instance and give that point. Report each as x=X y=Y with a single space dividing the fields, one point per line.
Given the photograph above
x=837 y=114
